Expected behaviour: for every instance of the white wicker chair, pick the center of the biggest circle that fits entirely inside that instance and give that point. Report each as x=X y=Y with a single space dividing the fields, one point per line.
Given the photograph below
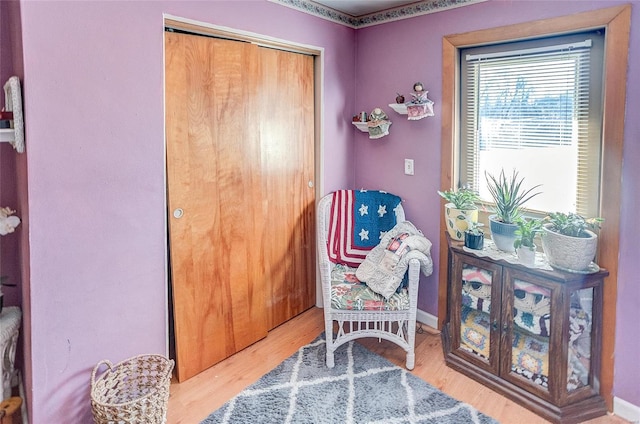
x=395 y=326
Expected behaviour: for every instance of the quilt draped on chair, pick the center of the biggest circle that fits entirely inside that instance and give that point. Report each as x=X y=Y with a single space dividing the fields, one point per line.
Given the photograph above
x=359 y=219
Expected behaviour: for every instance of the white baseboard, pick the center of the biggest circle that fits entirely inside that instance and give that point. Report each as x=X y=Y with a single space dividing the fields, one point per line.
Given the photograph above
x=626 y=410
x=427 y=319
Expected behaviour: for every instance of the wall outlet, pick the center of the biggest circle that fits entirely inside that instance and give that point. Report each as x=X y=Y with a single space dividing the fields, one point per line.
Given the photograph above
x=408 y=167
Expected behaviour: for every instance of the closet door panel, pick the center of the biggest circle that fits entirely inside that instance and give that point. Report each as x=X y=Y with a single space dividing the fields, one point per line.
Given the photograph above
x=287 y=142
x=214 y=198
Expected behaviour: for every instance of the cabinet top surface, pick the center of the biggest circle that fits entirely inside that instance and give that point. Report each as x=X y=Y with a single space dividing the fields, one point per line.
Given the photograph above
x=562 y=276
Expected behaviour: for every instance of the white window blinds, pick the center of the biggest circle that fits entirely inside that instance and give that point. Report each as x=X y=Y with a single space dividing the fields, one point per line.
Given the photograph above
x=534 y=110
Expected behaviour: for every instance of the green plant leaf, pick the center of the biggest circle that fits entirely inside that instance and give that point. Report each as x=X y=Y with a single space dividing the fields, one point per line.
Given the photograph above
x=508 y=195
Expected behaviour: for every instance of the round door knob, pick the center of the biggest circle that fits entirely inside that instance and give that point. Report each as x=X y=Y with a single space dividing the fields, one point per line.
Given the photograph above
x=177 y=213
x=310 y=183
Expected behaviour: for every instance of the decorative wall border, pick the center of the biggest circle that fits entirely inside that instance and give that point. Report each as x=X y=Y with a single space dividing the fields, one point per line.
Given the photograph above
x=389 y=15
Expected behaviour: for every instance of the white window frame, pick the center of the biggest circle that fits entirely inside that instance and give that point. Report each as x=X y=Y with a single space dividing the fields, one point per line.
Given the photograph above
x=564 y=67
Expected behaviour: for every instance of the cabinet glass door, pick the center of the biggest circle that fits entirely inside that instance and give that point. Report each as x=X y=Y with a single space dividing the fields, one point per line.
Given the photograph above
x=530 y=335
x=475 y=311
x=580 y=334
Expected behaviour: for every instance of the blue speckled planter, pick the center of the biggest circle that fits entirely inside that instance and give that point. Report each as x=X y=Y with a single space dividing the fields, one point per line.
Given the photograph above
x=503 y=235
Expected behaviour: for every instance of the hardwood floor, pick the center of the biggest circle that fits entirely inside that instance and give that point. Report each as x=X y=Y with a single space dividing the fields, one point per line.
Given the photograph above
x=191 y=401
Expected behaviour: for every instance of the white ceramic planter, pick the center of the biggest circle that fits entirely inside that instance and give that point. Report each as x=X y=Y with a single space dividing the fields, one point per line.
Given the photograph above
x=526 y=256
x=457 y=220
x=569 y=253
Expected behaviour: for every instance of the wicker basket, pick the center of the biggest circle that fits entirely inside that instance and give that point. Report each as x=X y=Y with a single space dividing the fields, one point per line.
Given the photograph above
x=135 y=390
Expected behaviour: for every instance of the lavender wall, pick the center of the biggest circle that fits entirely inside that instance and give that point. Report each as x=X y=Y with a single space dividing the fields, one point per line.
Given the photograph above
x=391 y=57
x=94 y=115
x=93 y=79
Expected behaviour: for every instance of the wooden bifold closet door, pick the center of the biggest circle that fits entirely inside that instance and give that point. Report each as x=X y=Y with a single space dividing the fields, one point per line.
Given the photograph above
x=240 y=168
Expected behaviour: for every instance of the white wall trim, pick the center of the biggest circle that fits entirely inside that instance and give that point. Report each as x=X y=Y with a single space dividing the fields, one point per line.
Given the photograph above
x=376 y=18
x=626 y=410
x=202 y=27
x=427 y=319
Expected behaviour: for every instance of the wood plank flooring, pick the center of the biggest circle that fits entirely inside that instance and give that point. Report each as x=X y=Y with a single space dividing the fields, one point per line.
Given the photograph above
x=191 y=401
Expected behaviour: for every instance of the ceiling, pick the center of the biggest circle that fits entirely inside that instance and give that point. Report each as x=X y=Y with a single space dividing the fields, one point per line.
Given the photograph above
x=357 y=8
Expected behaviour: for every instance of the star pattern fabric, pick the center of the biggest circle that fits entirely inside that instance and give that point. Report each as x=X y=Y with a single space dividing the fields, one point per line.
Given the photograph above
x=353 y=231
x=382 y=210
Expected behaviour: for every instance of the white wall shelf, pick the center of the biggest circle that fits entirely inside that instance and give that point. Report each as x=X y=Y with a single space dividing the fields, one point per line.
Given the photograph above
x=401 y=108
x=7 y=135
x=362 y=126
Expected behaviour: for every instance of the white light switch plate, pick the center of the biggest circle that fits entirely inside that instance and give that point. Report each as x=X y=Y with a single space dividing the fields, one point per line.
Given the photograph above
x=408 y=167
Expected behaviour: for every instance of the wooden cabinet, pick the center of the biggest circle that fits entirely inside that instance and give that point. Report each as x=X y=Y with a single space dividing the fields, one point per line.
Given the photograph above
x=531 y=334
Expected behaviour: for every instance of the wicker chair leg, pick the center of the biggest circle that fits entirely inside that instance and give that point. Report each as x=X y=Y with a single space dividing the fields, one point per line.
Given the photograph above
x=411 y=360
x=330 y=361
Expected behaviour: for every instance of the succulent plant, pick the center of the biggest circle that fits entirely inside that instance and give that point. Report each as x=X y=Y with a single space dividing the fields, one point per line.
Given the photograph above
x=509 y=195
x=572 y=224
x=461 y=199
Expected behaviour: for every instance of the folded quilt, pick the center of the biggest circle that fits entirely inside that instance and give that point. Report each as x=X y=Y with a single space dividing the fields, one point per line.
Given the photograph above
x=359 y=218
x=386 y=264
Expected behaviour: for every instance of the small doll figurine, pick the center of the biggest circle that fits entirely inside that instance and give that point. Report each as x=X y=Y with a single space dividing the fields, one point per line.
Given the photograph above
x=378 y=124
x=377 y=115
x=419 y=94
x=420 y=106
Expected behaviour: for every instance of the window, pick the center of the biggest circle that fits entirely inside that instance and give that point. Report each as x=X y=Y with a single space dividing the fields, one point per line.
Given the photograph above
x=536 y=107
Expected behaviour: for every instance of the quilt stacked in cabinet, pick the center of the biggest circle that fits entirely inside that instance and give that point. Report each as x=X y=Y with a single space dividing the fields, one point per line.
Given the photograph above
x=476 y=309
x=531 y=319
x=530 y=328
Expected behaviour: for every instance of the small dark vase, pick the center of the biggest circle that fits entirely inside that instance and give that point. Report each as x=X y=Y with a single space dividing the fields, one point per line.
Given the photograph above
x=473 y=241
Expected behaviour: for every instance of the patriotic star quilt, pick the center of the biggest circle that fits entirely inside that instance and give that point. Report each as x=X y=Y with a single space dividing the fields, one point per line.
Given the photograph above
x=359 y=219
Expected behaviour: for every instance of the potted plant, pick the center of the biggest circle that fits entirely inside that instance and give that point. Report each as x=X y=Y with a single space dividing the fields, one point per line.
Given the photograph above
x=524 y=244
x=509 y=197
x=570 y=241
x=474 y=236
x=459 y=211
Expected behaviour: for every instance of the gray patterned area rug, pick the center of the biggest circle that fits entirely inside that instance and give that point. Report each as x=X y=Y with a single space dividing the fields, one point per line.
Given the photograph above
x=363 y=387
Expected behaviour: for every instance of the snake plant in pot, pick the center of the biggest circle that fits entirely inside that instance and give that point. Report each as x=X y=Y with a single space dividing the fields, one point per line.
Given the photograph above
x=509 y=197
x=459 y=211
x=570 y=241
